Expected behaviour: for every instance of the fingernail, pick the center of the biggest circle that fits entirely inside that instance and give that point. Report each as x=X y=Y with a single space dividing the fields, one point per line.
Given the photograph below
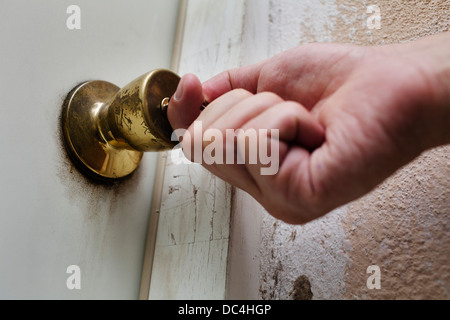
x=179 y=93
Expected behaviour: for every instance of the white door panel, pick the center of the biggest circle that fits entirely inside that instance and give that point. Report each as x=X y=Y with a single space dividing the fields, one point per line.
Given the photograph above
x=51 y=217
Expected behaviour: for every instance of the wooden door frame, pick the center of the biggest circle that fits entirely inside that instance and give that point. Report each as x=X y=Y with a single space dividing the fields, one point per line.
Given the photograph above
x=228 y=220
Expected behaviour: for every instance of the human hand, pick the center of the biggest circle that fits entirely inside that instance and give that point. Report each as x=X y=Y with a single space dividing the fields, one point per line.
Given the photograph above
x=348 y=117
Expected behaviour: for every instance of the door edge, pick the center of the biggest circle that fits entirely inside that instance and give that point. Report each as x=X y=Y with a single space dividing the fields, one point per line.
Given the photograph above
x=146 y=273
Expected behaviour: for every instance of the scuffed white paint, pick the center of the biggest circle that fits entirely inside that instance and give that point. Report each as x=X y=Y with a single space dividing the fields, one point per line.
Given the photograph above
x=191 y=252
x=193 y=233
x=212 y=37
x=294 y=22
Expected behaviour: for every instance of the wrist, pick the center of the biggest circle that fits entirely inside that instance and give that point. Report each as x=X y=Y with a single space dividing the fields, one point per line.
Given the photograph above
x=431 y=57
x=433 y=54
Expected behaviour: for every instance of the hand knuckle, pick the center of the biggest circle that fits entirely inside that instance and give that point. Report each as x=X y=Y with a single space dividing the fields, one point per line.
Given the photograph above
x=270 y=96
x=241 y=93
x=286 y=109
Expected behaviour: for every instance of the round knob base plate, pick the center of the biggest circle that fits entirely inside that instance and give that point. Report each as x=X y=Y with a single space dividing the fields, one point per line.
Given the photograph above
x=83 y=139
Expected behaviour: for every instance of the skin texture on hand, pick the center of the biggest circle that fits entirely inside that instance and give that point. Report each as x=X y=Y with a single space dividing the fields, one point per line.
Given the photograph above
x=348 y=117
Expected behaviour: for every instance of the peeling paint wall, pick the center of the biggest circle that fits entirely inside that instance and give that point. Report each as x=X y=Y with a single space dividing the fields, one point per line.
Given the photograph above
x=403 y=226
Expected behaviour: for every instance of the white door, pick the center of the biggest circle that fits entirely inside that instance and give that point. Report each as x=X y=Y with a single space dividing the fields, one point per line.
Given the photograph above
x=51 y=217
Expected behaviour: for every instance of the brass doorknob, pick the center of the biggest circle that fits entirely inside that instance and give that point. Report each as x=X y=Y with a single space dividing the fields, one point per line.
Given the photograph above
x=106 y=129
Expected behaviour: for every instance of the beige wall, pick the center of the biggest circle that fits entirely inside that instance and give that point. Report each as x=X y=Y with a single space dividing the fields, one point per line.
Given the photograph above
x=404 y=225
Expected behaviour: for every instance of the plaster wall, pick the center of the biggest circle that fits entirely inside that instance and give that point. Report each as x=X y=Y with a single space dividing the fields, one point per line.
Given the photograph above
x=403 y=226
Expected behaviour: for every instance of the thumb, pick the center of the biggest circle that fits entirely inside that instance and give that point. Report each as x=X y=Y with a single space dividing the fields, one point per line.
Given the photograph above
x=184 y=106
